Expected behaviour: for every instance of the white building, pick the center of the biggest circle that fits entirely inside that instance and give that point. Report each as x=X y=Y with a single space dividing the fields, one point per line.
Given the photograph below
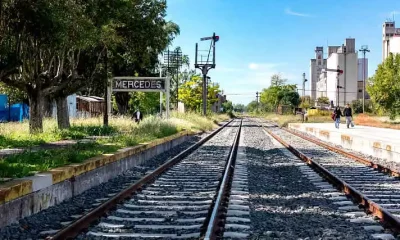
x=322 y=85
x=390 y=39
x=71 y=101
x=316 y=66
x=346 y=58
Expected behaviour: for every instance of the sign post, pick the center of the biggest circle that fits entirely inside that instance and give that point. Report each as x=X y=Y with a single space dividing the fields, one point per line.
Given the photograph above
x=139 y=84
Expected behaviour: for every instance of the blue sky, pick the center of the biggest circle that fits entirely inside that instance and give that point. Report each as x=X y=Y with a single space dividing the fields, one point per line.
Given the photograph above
x=259 y=38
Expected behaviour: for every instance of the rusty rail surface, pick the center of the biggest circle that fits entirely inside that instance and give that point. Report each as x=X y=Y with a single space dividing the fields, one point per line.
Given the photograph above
x=82 y=224
x=374 y=208
x=367 y=162
x=217 y=218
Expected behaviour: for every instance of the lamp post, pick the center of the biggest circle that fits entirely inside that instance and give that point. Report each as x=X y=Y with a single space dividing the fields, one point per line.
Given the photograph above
x=304 y=86
x=364 y=49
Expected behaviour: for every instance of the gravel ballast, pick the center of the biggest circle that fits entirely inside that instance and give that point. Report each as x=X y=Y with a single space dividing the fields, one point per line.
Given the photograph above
x=284 y=203
x=54 y=218
x=384 y=162
x=177 y=203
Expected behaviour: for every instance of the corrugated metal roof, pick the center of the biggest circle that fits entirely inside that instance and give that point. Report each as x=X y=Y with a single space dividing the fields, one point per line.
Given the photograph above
x=91 y=98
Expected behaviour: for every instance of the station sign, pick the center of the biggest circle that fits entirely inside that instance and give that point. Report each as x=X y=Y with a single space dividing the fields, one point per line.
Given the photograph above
x=125 y=85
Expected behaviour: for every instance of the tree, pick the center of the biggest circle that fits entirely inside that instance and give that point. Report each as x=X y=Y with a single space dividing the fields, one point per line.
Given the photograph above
x=289 y=97
x=252 y=106
x=384 y=86
x=279 y=93
x=227 y=106
x=323 y=100
x=190 y=93
x=277 y=80
x=50 y=49
x=40 y=47
x=239 y=107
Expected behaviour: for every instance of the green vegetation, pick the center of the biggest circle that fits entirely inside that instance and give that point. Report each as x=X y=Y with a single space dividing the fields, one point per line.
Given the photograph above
x=123 y=132
x=284 y=120
x=190 y=93
x=279 y=93
x=384 y=86
x=51 y=49
x=28 y=163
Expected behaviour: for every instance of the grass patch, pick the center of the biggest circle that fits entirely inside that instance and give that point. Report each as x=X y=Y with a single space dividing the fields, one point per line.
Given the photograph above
x=28 y=163
x=375 y=121
x=123 y=132
x=284 y=120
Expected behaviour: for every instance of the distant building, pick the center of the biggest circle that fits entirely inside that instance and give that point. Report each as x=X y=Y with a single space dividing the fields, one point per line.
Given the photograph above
x=89 y=106
x=322 y=86
x=316 y=66
x=217 y=106
x=390 y=39
x=346 y=58
x=71 y=101
x=361 y=62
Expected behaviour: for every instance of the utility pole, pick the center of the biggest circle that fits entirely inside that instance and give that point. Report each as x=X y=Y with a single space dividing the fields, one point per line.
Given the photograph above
x=105 y=116
x=257 y=97
x=364 y=49
x=206 y=65
x=173 y=61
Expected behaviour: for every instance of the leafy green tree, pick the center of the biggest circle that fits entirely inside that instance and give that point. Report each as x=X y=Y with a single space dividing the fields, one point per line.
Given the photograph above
x=279 y=93
x=50 y=49
x=384 y=86
x=227 y=106
x=277 y=80
x=252 y=106
x=239 y=107
x=190 y=93
x=323 y=100
x=289 y=97
x=39 y=48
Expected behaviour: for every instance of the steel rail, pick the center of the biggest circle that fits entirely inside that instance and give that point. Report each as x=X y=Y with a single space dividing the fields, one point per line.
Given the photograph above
x=215 y=219
x=80 y=225
x=374 y=208
x=365 y=161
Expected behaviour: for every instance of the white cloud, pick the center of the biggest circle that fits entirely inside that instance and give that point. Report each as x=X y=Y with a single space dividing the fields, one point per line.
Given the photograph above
x=288 y=11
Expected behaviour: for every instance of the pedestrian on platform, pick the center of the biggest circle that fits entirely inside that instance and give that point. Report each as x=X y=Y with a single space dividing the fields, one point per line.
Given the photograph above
x=336 y=116
x=138 y=116
x=348 y=115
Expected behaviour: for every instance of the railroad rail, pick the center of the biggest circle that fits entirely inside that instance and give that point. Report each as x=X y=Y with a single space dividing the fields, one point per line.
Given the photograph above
x=187 y=195
x=377 y=192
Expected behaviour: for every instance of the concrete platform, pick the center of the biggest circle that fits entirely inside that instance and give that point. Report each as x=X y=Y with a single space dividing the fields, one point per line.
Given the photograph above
x=378 y=142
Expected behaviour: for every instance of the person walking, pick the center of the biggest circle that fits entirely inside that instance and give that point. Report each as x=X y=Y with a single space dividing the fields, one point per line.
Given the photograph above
x=337 y=114
x=348 y=115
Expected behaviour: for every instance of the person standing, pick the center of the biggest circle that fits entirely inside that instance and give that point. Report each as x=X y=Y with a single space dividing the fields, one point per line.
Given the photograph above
x=348 y=115
x=138 y=116
x=338 y=114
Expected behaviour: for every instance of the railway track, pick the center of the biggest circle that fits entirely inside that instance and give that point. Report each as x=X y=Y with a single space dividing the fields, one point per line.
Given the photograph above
x=185 y=198
x=376 y=191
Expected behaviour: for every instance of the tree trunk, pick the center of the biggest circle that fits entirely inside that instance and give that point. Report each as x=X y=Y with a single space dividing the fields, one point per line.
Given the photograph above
x=62 y=113
x=47 y=107
x=122 y=99
x=35 y=112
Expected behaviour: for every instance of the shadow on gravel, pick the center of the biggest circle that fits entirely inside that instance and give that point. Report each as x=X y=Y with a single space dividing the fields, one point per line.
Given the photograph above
x=285 y=204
